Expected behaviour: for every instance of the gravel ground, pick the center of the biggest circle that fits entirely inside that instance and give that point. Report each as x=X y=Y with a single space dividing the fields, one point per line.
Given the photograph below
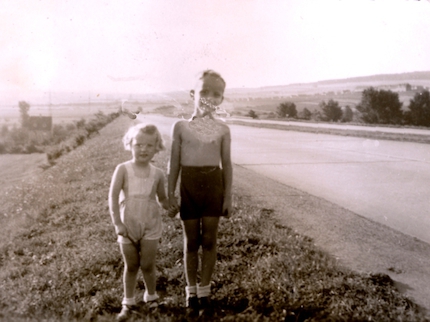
x=356 y=242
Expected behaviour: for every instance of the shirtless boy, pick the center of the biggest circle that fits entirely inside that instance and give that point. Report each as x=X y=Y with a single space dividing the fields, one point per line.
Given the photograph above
x=201 y=153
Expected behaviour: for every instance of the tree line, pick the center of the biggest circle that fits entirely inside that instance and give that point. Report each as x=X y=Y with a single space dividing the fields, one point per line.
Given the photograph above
x=375 y=107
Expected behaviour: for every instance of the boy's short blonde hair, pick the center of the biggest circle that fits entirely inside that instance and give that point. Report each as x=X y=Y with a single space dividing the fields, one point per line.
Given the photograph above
x=146 y=129
x=210 y=72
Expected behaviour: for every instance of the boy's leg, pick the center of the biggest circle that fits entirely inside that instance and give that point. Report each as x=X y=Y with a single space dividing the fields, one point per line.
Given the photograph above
x=191 y=249
x=192 y=242
x=131 y=268
x=148 y=252
x=209 y=246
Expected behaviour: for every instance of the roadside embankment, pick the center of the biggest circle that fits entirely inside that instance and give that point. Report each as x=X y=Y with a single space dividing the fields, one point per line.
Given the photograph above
x=356 y=242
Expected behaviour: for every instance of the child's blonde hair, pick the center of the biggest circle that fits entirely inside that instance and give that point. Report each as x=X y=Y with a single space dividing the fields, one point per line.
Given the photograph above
x=210 y=72
x=146 y=129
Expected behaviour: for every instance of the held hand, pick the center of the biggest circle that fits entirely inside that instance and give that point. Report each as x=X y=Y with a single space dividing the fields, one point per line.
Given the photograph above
x=227 y=208
x=173 y=202
x=121 y=230
x=165 y=204
x=172 y=211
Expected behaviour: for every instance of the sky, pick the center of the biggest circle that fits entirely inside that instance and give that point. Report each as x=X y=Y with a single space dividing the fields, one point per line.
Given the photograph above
x=158 y=46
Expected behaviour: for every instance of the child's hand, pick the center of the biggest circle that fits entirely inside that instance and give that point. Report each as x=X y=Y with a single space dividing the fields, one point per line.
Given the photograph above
x=121 y=230
x=172 y=211
x=165 y=204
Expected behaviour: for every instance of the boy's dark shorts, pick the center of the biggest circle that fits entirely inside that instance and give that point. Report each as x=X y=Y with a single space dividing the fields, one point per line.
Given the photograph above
x=202 y=192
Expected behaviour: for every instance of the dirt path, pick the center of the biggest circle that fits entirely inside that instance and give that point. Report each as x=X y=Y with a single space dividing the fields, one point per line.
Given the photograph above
x=356 y=242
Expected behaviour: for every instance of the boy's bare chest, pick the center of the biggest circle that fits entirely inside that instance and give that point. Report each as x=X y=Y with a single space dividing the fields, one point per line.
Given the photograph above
x=203 y=131
x=201 y=143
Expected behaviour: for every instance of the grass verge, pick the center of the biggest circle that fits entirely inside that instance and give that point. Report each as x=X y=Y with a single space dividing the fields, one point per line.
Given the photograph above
x=60 y=261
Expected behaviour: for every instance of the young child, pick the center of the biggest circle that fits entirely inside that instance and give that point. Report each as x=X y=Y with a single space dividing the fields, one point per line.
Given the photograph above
x=135 y=187
x=201 y=152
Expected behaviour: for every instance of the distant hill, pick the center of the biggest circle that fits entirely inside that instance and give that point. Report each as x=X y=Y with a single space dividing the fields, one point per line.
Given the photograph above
x=347 y=84
x=354 y=84
x=404 y=78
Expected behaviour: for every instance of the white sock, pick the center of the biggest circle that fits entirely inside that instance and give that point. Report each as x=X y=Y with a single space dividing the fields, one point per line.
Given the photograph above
x=203 y=291
x=128 y=301
x=190 y=291
x=149 y=297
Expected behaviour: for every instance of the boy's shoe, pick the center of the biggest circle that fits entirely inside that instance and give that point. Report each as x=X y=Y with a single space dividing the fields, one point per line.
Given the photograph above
x=151 y=299
x=206 y=308
x=193 y=307
x=126 y=312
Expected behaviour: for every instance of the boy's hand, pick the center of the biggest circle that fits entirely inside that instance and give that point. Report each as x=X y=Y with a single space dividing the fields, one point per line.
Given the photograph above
x=173 y=211
x=173 y=202
x=173 y=207
x=227 y=208
x=121 y=230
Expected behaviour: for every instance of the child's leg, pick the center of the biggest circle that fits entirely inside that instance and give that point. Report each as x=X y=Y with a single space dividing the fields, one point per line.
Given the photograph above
x=191 y=248
x=131 y=268
x=209 y=246
x=148 y=252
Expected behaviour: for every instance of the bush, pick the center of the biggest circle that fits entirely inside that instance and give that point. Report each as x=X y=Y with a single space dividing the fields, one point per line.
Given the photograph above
x=54 y=153
x=80 y=124
x=287 y=109
x=419 y=110
x=347 y=115
x=331 y=111
x=380 y=107
x=64 y=138
x=59 y=133
x=2 y=148
x=305 y=114
x=80 y=139
x=4 y=130
x=31 y=148
x=93 y=127
x=252 y=114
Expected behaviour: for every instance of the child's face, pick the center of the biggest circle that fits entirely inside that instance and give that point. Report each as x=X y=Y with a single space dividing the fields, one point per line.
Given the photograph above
x=208 y=94
x=143 y=147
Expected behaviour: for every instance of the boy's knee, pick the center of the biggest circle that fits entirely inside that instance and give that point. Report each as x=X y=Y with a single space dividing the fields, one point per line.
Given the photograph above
x=132 y=268
x=208 y=243
x=192 y=245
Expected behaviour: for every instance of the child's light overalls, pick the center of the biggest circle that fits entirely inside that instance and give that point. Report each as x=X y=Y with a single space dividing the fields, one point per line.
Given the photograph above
x=139 y=209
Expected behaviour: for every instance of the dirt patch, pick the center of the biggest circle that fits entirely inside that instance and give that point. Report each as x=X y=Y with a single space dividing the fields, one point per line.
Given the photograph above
x=356 y=242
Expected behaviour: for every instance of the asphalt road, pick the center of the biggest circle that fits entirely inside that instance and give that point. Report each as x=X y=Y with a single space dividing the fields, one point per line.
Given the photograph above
x=385 y=181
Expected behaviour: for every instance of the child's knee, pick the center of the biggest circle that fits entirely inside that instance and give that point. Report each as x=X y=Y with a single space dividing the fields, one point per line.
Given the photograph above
x=147 y=266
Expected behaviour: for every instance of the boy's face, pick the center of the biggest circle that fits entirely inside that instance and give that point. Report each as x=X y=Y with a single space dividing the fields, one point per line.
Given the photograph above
x=208 y=94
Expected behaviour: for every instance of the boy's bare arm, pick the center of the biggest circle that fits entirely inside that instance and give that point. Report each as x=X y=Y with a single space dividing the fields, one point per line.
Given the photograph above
x=175 y=161
x=227 y=171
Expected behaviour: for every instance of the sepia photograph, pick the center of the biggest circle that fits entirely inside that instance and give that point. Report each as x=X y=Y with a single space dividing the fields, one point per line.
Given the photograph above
x=239 y=160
